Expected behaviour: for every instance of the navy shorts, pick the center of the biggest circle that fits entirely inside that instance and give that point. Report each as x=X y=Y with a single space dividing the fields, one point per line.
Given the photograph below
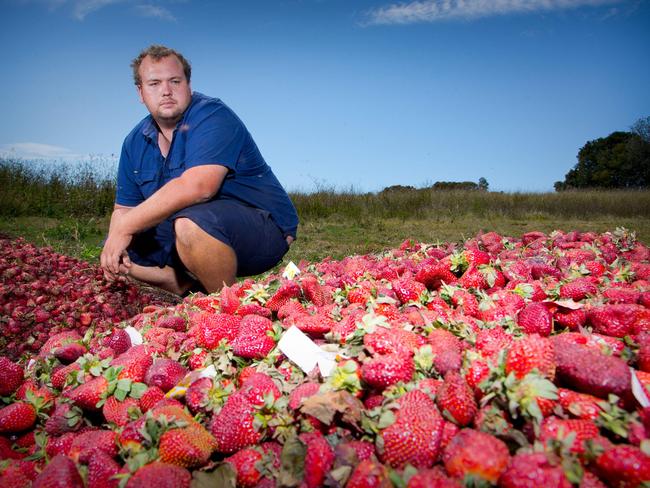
x=258 y=242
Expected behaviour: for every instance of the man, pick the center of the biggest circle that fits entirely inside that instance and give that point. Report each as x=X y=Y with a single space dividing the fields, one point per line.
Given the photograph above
x=196 y=203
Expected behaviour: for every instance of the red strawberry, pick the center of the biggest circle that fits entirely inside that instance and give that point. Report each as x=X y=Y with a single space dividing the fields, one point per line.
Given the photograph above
x=233 y=427
x=254 y=309
x=622 y=294
x=446 y=349
x=383 y=371
x=489 y=342
x=408 y=290
x=455 y=399
x=533 y=470
x=287 y=291
x=477 y=455
x=150 y=397
x=319 y=459
x=89 y=394
x=188 y=447
x=581 y=430
x=86 y=443
x=70 y=352
x=580 y=405
x=312 y=290
x=624 y=466
x=65 y=418
x=59 y=340
x=389 y=341
x=60 y=472
x=572 y=319
x=414 y=437
x=253 y=340
x=61 y=375
x=434 y=274
x=160 y=475
x=535 y=318
x=135 y=362
x=119 y=341
x=120 y=412
x=174 y=322
x=482 y=278
x=291 y=308
x=369 y=474
x=213 y=328
x=432 y=478
x=16 y=417
x=613 y=320
x=244 y=462
x=589 y=371
x=531 y=352
x=578 y=289
x=102 y=469
x=314 y=325
x=257 y=386
x=165 y=374
x=11 y=376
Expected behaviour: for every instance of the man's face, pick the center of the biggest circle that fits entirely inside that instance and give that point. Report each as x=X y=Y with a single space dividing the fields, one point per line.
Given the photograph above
x=164 y=90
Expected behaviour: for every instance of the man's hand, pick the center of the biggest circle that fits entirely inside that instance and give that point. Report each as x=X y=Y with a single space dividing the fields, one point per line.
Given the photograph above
x=114 y=258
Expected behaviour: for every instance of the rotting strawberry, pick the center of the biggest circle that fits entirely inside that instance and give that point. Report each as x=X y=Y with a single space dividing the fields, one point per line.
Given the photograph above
x=65 y=418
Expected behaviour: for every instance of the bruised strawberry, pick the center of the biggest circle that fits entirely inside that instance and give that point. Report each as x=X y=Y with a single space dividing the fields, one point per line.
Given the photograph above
x=65 y=418
x=369 y=474
x=70 y=352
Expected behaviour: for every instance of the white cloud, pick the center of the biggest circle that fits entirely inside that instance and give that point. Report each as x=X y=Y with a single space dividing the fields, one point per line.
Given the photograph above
x=438 y=10
x=84 y=7
x=36 y=150
x=155 y=11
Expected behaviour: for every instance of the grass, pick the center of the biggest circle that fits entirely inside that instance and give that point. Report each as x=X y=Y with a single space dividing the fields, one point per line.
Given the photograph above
x=70 y=212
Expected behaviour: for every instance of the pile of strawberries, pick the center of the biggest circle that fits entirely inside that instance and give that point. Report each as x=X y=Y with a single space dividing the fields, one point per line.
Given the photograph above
x=43 y=293
x=513 y=362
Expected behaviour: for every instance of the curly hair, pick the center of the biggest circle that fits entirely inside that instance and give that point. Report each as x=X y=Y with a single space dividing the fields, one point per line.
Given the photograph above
x=157 y=52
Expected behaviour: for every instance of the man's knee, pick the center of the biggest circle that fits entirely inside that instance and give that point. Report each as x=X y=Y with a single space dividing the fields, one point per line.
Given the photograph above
x=186 y=232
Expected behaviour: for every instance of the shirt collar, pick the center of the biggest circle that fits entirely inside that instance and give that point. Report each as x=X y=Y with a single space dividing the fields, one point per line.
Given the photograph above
x=150 y=129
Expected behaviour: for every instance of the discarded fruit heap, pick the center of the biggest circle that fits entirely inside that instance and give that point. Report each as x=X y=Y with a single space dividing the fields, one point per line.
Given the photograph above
x=43 y=293
x=505 y=361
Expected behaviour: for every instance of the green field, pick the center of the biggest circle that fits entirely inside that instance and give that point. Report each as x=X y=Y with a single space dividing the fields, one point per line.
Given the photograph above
x=71 y=214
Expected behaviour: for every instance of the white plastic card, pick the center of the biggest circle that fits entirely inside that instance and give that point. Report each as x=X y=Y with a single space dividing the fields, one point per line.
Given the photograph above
x=301 y=350
x=290 y=271
x=134 y=335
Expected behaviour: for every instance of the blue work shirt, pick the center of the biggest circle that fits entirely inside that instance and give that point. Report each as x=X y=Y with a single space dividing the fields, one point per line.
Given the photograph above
x=208 y=133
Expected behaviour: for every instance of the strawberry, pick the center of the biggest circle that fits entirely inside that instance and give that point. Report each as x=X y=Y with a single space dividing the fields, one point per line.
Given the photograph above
x=213 y=328
x=482 y=277
x=389 y=341
x=254 y=309
x=165 y=374
x=102 y=470
x=290 y=309
x=58 y=340
x=533 y=469
x=70 y=352
x=624 y=466
x=61 y=375
x=383 y=371
x=434 y=274
x=580 y=405
x=456 y=400
x=120 y=412
x=87 y=442
x=253 y=340
x=432 y=478
x=244 y=463
x=580 y=430
x=312 y=290
x=613 y=320
x=257 y=386
x=475 y=454
x=446 y=349
x=174 y=322
x=87 y=395
x=119 y=341
x=160 y=475
x=578 y=289
x=60 y=472
x=16 y=417
x=535 y=318
x=65 y=418
x=588 y=371
x=529 y=353
x=408 y=290
x=135 y=362
x=314 y=325
x=11 y=376
x=188 y=447
x=489 y=342
x=233 y=427
x=369 y=474
x=287 y=291
x=319 y=459
x=572 y=319
x=150 y=397
x=414 y=437
x=622 y=294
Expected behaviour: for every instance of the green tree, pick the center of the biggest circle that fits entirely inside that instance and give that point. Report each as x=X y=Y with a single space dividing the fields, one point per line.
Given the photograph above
x=620 y=160
x=483 y=184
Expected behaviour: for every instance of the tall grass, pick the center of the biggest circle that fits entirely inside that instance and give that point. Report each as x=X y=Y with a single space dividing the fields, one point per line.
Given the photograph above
x=78 y=191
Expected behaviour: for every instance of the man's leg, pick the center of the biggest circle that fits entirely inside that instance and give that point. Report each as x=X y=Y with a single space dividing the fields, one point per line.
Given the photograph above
x=167 y=278
x=210 y=260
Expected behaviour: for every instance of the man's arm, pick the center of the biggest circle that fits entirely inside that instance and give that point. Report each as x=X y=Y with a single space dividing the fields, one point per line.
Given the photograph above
x=197 y=184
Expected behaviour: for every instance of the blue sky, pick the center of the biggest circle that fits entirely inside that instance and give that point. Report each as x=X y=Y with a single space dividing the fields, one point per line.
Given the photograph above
x=342 y=94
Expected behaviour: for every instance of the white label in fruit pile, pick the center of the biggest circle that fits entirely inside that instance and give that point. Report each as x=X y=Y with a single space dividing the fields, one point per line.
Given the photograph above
x=639 y=391
x=301 y=350
x=134 y=335
x=181 y=387
x=291 y=271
